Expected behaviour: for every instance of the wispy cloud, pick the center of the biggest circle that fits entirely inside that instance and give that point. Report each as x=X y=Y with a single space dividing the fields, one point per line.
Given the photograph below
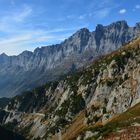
x=102 y=13
x=82 y=16
x=102 y=10
x=95 y=10
x=13 y=40
x=24 y=13
x=122 y=11
x=9 y=22
x=137 y=7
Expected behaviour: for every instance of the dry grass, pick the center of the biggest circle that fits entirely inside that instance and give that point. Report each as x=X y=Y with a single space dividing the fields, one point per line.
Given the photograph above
x=76 y=126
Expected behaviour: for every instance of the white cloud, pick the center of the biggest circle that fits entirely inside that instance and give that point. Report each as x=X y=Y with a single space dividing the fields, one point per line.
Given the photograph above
x=137 y=6
x=122 y=11
x=82 y=16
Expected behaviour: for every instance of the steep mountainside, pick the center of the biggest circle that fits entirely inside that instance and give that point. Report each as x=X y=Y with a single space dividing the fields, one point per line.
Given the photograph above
x=90 y=103
x=31 y=69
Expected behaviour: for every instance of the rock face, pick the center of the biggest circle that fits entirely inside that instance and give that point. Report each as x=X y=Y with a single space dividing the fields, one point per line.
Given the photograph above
x=31 y=69
x=108 y=87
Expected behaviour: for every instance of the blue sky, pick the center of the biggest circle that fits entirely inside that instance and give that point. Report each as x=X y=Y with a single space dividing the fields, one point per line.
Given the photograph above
x=27 y=24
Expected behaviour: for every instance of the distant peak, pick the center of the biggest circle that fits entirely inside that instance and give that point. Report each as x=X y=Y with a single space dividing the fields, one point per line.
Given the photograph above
x=80 y=33
x=26 y=52
x=117 y=24
x=82 y=30
x=138 y=25
x=99 y=27
x=3 y=54
x=121 y=23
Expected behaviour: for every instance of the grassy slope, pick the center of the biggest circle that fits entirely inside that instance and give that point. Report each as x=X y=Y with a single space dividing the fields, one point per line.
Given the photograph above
x=118 y=122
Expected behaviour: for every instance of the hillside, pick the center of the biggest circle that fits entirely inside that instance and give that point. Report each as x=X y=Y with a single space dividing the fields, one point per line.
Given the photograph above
x=126 y=125
x=122 y=126
x=86 y=104
x=31 y=69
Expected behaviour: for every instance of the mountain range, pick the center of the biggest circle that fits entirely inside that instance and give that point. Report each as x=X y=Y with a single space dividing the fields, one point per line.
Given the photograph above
x=30 y=69
x=99 y=102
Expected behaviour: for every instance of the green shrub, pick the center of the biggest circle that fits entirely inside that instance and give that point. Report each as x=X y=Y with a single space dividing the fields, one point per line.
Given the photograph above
x=104 y=110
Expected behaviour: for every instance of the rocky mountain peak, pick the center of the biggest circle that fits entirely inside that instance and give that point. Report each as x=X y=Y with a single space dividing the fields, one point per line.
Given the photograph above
x=26 y=54
x=3 y=55
x=83 y=30
x=115 y=25
x=99 y=28
x=81 y=33
x=120 y=24
x=3 y=58
x=138 y=25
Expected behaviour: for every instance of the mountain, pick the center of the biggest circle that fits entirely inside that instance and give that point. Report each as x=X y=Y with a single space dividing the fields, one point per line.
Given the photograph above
x=97 y=102
x=31 y=69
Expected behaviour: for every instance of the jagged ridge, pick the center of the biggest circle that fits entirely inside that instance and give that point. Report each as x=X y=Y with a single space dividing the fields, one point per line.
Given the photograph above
x=31 y=69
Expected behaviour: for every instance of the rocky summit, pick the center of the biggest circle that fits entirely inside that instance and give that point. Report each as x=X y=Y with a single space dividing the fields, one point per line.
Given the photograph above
x=98 y=102
x=50 y=63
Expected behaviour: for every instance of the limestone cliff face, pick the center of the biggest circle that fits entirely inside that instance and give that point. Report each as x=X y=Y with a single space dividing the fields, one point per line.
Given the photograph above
x=109 y=86
x=31 y=69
